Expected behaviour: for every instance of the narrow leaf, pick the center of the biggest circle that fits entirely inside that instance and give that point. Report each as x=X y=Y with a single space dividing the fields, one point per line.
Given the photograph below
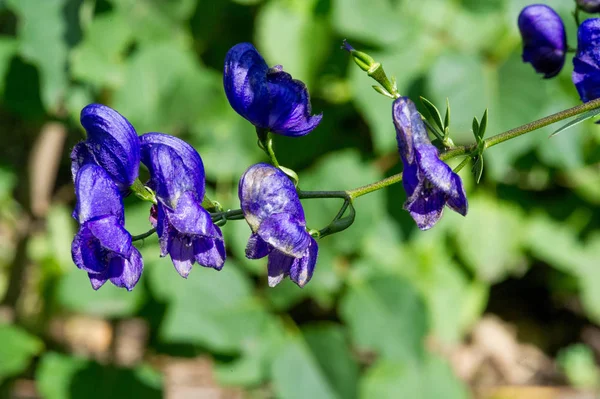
x=382 y=91
x=447 y=116
x=576 y=121
x=483 y=124
x=476 y=128
x=478 y=168
x=433 y=111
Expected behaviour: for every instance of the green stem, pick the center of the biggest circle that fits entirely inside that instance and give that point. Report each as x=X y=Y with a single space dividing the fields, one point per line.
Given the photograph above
x=462 y=164
x=144 y=235
x=323 y=194
x=265 y=141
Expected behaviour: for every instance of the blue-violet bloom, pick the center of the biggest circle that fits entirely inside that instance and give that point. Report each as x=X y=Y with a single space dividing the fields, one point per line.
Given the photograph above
x=267 y=97
x=111 y=143
x=429 y=182
x=102 y=246
x=185 y=229
x=544 y=39
x=274 y=213
x=590 y=6
x=586 y=63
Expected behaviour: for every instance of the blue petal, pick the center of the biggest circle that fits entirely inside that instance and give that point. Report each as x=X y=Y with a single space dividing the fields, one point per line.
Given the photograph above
x=435 y=170
x=126 y=272
x=459 y=203
x=97 y=195
x=586 y=63
x=181 y=250
x=114 y=143
x=290 y=110
x=406 y=120
x=111 y=235
x=286 y=234
x=87 y=253
x=191 y=218
x=210 y=252
x=278 y=267
x=257 y=248
x=544 y=39
x=245 y=83
x=302 y=269
x=426 y=206
x=265 y=190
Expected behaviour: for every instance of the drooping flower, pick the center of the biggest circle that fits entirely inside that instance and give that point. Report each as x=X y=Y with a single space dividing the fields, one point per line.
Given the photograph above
x=586 y=63
x=185 y=229
x=102 y=246
x=430 y=184
x=267 y=97
x=544 y=39
x=111 y=143
x=274 y=213
x=590 y=6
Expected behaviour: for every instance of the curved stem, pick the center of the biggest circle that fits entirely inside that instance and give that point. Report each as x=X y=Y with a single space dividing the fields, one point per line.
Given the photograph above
x=322 y=194
x=144 y=235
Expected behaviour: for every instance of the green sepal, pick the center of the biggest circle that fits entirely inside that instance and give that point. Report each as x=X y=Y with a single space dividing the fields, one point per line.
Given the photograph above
x=291 y=174
x=382 y=91
x=433 y=112
x=143 y=192
x=210 y=205
x=576 y=121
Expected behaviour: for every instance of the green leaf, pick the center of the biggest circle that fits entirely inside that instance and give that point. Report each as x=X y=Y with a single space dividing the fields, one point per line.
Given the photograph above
x=63 y=377
x=434 y=113
x=309 y=379
x=478 y=168
x=583 y=117
x=17 y=348
x=386 y=314
x=430 y=379
x=475 y=128
x=578 y=363
x=41 y=36
x=75 y=293
x=447 y=115
x=328 y=344
x=483 y=124
x=490 y=240
x=8 y=48
x=211 y=308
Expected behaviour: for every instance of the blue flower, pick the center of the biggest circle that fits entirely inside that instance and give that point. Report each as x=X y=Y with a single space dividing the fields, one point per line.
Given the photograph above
x=184 y=228
x=274 y=213
x=267 y=97
x=112 y=143
x=590 y=6
x=586 y=63
x=544 y=39
x=429 y=182
x=102 y=246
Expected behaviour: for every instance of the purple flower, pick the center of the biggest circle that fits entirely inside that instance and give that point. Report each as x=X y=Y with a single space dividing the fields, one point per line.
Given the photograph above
x=274 y=213
x=112 y=143
x=429 y=182
x=102 y=246
x=590 y=6
x=586 y=63
x=267 y=97
x=544 y=39
x=184 y=228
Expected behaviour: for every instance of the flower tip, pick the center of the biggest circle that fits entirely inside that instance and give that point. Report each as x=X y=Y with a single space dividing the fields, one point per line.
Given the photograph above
x=346 y=46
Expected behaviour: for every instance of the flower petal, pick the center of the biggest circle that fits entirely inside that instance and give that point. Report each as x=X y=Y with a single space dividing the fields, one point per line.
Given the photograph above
x=97 y=195
x=286 y=234
x=210 y=252
x=278 y=267
x=244 y=79
x=181 y=250
x=87 y=253
x=111 y=235
x=586 y=63
x=191 y=218
x=126 y=272
x=544 y=39
x=257 y=248
x=114 y=143
x=302 y=269
x=426 y=206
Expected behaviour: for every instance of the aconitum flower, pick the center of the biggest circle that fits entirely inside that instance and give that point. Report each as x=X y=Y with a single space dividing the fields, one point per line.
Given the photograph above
x=544 y=39
x=267 y=97
x=430 y=184
x=111 y=143
x=274 y=213
x=590 y=6
x=586 y=63
x=102 y=246
x=184 y=228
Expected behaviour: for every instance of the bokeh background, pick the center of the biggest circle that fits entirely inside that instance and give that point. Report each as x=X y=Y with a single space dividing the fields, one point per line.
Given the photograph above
x=508 y=296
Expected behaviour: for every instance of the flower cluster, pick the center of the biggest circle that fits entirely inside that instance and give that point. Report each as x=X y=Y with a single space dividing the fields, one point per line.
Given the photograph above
x=105 y=168
x=545 y=45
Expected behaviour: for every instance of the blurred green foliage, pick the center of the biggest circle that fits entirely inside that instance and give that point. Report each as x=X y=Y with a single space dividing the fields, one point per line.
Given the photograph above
x=381 y=288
